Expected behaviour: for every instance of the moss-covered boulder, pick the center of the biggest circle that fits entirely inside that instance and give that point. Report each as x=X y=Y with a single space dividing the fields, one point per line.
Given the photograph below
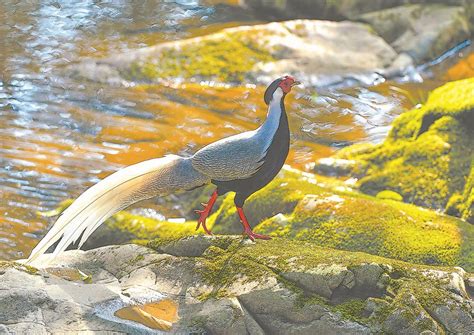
x=226 y=284
x=325 y=211
x=279 y=196
x=380 y=227
x=254 y=54
x=428 y=156
x=322 y=210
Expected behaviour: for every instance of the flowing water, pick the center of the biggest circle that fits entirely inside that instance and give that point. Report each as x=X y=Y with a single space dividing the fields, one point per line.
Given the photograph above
x=59 y=136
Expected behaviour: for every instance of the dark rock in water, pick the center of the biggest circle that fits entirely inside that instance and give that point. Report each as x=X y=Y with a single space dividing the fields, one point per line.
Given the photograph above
x=334 y=167
x=234 y=287
x=421 y=31
x=316 y=9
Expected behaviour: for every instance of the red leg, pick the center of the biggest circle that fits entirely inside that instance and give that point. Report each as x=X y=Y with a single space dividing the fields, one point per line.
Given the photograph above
x=247 y=230
x=203 y=214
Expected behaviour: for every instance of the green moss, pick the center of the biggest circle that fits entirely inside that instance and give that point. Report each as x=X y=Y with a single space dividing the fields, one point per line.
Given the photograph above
x=348 y=220
x=279 y=196
x=137 y=259
x=21 y=267
x=147 y=228
x=467 y=204
x=226 y=57
x=220 y=267
x=427 y=156
x=353 y=310
x=389 y=195
x=466 y=253
x=454 y=98
x=255 y=261
x=352 y=221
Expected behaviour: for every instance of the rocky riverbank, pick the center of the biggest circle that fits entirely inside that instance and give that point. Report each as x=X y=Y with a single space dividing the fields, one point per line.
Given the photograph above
x=383 y=243
x=324 y=269
x=226 y=285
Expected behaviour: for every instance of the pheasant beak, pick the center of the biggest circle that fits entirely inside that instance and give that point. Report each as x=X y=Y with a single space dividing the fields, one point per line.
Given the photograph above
x=295 y=83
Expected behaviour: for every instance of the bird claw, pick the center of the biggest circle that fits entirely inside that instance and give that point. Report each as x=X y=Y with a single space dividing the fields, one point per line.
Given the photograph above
x=203 y=214
x=253 y=236
x=202 y=222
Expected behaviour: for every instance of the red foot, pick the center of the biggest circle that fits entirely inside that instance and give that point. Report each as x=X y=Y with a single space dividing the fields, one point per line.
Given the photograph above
x=247 y=229
x=203 y=214
x=251 y=235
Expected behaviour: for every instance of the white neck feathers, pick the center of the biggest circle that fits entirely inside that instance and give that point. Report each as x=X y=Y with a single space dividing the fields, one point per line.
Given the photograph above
x=270 y=126
x=274 y=109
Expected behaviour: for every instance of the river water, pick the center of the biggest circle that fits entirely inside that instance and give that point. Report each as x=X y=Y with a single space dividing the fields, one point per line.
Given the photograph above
x=58 y=136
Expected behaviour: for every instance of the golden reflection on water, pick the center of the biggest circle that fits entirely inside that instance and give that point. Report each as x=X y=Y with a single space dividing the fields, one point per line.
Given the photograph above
x=462 y=69
x=155 y=315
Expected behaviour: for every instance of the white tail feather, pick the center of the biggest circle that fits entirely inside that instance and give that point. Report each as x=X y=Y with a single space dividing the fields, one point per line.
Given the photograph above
x=134 y=183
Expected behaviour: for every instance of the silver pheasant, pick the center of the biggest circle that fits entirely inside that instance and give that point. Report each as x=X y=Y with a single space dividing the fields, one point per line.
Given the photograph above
x=243 y=163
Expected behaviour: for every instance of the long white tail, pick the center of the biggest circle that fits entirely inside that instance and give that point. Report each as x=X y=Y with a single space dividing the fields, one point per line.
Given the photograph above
x=121 y=189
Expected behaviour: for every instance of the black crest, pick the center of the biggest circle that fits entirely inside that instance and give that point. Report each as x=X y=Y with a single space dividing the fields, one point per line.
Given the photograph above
x=271 y=89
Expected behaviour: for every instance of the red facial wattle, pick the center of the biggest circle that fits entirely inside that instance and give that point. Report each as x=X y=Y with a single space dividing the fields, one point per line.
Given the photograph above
x=287 y=83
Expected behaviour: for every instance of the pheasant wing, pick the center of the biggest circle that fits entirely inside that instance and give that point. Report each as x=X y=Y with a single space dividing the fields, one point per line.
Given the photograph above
x=234 y=157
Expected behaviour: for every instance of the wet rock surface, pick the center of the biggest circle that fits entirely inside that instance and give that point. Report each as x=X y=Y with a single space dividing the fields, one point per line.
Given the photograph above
x=309 y=49
x=227 y=285
x=422 y=32
x=418 y=30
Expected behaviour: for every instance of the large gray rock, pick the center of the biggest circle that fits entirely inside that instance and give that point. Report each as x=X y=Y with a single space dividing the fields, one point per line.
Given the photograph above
x=336 y=10
x=316 y=9
x=421 y=31
x=316 y=52
x=225 y=285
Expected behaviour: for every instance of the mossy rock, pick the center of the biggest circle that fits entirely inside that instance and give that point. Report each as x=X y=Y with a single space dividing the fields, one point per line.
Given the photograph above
x=225 y=57
x=381 y=227
x=221 y=284
x=4 y=265
x=251 y=54
x=359 y=287
x=389 y=195
x=125 y=227
x=279 y=196
x=323 y=211
x=428 y=156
